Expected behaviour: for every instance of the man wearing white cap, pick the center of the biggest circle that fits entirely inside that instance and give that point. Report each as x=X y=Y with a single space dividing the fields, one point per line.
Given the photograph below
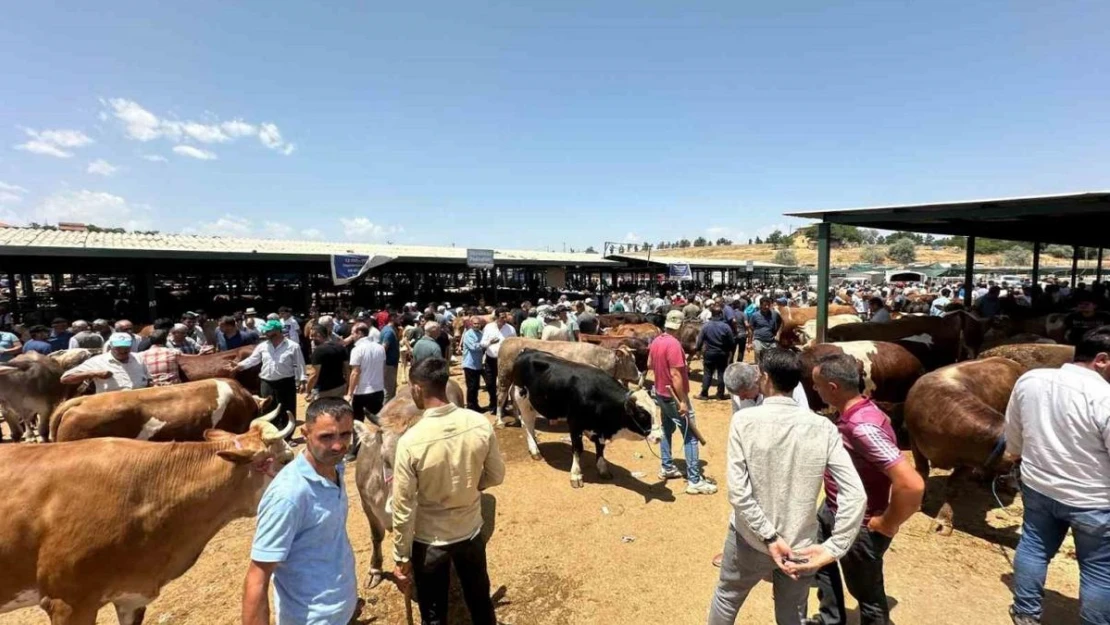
x=114 y=370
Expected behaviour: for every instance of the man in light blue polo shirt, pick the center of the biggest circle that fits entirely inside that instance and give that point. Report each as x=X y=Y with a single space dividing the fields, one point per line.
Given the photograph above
x=301 y=540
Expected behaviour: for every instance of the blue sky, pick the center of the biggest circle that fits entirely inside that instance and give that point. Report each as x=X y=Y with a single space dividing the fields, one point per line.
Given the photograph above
x=534 y=125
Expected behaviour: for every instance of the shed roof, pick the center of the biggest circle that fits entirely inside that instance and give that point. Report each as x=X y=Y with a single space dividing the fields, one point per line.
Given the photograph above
x=1069 y=219
x=29 y=241
x=696 y=263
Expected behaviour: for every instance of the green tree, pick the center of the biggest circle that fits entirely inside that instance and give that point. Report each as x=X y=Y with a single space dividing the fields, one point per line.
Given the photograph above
x=590 y=250
x=775 y=238
x=700 y=242
x=1058 y=251
x=684 y=243
x=872 y=255
x=758 y=241
x=724 y=241
x=1017 y=256
x=903 y=251
x=786 y=256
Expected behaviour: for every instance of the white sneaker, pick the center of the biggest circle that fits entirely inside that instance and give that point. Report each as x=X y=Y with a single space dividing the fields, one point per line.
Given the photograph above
x=701 y=488
x=669 y=474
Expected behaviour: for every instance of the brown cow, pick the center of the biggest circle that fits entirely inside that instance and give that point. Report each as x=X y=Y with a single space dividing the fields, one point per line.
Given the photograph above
x=638 y=345
x=956 y=417
x=613 y=320
x=794 y=317
x=31 y=388
x=619 y=363
x=182 y=412
x=1034 y=355
x=374 y=464
x=936 y=341
x=215 y=365
x=888 y=372
x=688 y=336
x=640 y=330
x=112 y=521
x=807 y=332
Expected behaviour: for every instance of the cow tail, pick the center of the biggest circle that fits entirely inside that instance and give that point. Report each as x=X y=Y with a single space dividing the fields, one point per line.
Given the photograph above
x=59 y=412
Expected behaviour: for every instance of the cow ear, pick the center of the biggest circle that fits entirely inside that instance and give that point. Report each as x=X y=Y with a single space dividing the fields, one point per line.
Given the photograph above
x=237 y=456
x=5 y=370
x=216 y=435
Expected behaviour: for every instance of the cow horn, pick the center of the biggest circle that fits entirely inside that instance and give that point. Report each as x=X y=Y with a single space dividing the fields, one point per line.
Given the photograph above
x=285 y=431
x=270 y=416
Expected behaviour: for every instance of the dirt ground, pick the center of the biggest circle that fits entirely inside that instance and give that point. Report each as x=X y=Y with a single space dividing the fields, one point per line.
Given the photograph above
x=635 y=550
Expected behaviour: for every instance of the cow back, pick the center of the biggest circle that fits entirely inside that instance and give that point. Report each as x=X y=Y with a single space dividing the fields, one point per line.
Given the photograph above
x=1033 y=355
x=214 y=365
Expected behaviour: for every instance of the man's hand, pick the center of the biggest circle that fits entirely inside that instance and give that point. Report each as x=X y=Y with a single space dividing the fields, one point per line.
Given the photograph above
x=816 y=557
x=880 y=525
x=350 y=399
x=301 y=386
x=781 y=553
x=102 y=375
x=684 y=409
x=402 y=576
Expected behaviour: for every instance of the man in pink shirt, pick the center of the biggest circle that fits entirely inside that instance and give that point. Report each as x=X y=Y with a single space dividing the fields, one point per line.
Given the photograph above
x=667 y=362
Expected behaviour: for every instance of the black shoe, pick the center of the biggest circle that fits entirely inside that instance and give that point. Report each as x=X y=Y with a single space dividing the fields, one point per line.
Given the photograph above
x=703 y=397
x=720 y=398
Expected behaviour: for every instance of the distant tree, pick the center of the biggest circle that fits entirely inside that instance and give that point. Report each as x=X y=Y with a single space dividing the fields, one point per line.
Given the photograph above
x=1017 y=256
x=1058 y=251
x=590 y=250
x=786 y=256
x=930 y=240
x=839 y=234
x=869 y=236
x=872 y=255
x=903 y=251
x=749 y=241
x=775 y=238
x=646 y=247
x=758 y=241
x=724 y=241
x=684 y=243
x=700 y=242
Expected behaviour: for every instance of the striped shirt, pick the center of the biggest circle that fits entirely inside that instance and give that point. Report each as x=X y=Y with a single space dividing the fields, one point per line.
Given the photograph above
x=869 y=438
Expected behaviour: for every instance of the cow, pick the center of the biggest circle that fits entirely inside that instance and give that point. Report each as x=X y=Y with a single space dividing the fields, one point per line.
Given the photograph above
x=374 y=464
x=936 y=341
x=888 y=371
x=619 y=363
x=182 y=412
x=218 y=365
x=111 y=520
x=688 y=336
x=807 y=332
x=956 y=416
x=639 y=330
x=613 y=320
x=592 y=402
x=638 y=345
x=794 y=317
x=1034 y=355
x=31 y=388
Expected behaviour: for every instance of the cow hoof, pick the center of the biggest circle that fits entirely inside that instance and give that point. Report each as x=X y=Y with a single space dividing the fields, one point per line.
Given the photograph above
x=576 y=482
x=942 y=528
x=535 y=456
x=375 y=579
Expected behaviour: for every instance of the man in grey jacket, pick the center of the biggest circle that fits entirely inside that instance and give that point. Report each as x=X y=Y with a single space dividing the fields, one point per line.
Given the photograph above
x=778 y=453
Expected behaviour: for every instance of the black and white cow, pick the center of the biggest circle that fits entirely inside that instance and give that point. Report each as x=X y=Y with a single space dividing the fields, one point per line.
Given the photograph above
x=592 y=401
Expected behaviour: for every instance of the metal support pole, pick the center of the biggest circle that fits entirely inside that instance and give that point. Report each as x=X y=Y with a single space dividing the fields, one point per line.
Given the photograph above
x=1098 y=267
x=149 y=295
x=1036 y=263
x=306 y=290
x=823 y=271
x=969 y=273
x=1074 y=265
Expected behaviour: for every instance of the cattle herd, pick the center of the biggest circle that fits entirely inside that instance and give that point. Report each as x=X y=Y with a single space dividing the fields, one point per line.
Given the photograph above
x=109 y=510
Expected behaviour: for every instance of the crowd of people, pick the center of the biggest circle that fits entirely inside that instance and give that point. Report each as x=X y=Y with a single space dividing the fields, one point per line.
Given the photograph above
x=783 y=459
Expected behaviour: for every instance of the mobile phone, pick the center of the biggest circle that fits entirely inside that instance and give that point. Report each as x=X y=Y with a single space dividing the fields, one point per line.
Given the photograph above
x=795 y=560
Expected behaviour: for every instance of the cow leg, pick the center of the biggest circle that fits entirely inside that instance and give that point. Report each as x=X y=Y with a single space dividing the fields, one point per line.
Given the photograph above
x=31 y=429
x=44 y=428
x=528 y=420
x=575 y=463
x=63 y=613
x=377 y=535
x=15 y=426
x=920 y=463
x=130 y=614
x=943 y=522
x=602 y=465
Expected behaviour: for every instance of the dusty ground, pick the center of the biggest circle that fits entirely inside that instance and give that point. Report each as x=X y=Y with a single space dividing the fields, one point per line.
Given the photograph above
x=557 y=556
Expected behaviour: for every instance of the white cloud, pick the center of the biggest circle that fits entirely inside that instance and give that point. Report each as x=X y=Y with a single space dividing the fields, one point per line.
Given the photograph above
x=277 y=230
x=93 y=207
x=361 y=227
x=102 y=167
x=631 y=237
x=313 y=233
x=270 y=137
x=14 y=188
x=142 y=125
x=52 y=142
x=9 y=197
x=226 y=226
x=239 y=128
x=190 y=151
x=155 y=158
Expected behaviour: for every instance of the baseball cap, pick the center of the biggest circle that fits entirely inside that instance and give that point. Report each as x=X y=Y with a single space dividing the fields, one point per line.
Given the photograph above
x=674 y=320
x=120 y=339
x=271 y=326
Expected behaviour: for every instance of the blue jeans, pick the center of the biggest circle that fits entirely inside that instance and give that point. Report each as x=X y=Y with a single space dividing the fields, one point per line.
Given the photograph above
x=1044 y=526
x=671 y=422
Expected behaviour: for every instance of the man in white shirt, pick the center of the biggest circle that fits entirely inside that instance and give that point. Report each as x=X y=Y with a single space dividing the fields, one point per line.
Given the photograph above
x=115 y=370
x=283 y=371
x=1058 y=423
x=366 y=386
x=492 y=335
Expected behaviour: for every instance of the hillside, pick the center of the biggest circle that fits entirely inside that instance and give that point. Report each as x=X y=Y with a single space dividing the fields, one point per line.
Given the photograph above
x=807 y=254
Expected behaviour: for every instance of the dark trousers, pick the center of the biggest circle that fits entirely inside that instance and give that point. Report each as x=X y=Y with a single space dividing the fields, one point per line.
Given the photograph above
x=490 y=371
x=713 y=365
x=863 y=574
x=431 y=568
x=284 y=392
x=473 y=379
x=368 y=405
x=738 y=354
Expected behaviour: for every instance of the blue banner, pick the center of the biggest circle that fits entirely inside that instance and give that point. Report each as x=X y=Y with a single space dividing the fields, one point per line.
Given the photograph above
x=479 y=259
x=346 y=268
x=677 y=271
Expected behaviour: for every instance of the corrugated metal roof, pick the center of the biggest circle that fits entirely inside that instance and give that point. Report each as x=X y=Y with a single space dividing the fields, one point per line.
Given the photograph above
x=700 y=263
x=158 y=243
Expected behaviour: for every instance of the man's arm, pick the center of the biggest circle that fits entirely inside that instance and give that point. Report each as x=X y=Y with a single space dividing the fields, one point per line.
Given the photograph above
x=252 y=360
x=740 y=493
x=311 y=384
x=906 y=491
x=298 y=363
x=404 y=504
x=1013 y=427
x=489 y=338
x=701 y=338
x=493 y=473
x=256 y=602
x=87 y=370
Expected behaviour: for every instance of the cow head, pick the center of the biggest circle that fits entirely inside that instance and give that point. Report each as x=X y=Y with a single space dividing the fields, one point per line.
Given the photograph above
x=263 y=404
x=643 y=415
x=625 y=367
x=263 y=446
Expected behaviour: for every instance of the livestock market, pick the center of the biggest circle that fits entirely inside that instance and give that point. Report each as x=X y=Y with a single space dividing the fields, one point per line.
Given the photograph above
x=847 y=429
x=576 y=313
